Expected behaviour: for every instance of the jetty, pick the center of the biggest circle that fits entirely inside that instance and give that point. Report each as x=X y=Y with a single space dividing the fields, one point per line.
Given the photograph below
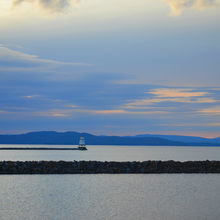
x=108 y=167
x=40 y=148
x=81 y=146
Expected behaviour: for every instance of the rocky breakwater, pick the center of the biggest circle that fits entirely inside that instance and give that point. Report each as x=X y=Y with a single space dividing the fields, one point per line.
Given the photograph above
x=94 y=167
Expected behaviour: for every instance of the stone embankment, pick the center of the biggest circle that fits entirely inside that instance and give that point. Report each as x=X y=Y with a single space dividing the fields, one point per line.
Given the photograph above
x=94 y=167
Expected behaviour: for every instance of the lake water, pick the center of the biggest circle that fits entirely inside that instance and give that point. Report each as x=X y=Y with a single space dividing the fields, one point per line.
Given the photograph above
x=114 y=153
x=106 y=197
x=111 y=197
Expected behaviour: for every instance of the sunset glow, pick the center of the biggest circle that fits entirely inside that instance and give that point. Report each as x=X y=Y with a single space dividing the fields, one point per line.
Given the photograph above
x=112 y=67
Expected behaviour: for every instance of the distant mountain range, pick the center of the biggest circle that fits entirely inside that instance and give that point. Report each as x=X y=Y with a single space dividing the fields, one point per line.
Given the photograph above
x=72 y=138
x=187 y=139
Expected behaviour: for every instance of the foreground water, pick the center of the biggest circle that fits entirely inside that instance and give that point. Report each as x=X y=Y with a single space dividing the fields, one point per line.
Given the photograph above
x=107 y=197
x=114 y=153
x=102 y=197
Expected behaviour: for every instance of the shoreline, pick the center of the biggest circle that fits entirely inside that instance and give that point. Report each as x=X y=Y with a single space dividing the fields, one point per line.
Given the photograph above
x=98 y=167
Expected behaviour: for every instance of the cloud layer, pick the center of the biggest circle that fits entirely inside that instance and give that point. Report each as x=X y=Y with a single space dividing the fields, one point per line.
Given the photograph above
x=57 y=6
x=173 y=95
x=70 y=96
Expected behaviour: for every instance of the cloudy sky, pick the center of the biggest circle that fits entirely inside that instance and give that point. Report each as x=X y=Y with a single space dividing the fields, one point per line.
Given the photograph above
x=110 y=67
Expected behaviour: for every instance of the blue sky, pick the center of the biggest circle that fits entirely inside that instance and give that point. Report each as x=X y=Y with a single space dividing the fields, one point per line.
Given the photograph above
x=117 y=68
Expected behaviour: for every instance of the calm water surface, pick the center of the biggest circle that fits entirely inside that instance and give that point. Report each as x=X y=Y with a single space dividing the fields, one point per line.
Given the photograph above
x=106 y=197
x=115 y=153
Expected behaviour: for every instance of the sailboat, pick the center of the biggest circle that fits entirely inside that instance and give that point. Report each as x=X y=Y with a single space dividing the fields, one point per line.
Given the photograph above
x=82 y=144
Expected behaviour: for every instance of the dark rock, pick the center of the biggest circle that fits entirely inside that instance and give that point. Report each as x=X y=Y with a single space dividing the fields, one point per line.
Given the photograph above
x=92 y=167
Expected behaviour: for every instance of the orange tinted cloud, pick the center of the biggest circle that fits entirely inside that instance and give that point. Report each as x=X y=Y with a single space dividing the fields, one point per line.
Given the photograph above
x=171 y=95
x=214 y=110
x=119 y=111
x=176 y=93
x=54 y=113
x=147 y=101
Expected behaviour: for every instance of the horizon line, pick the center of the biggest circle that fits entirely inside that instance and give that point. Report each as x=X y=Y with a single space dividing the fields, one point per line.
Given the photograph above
x=131 y=135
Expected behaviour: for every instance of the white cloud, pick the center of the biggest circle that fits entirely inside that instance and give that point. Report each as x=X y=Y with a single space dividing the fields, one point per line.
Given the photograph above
x=52 y=6
x=31 y=96
x=178 y=6
x=17 y=58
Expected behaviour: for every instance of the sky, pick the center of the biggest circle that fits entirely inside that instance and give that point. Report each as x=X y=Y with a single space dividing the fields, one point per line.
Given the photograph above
x=110 y=67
